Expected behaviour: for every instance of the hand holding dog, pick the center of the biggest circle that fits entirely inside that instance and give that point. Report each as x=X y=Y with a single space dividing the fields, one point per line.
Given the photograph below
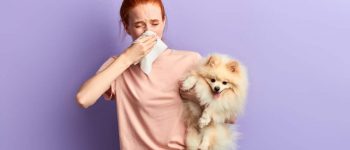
x=191 y=95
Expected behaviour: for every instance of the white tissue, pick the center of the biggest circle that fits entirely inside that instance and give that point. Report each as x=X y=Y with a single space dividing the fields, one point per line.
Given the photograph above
x=147 y=61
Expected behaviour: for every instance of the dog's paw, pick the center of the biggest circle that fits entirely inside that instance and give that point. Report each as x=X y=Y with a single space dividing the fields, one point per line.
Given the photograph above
x=203 y=121
x=204 y=146
x=191 y=147
x=188 y=83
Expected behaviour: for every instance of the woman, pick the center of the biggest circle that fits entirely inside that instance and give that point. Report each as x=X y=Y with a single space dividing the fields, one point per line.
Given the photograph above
x=149 y=106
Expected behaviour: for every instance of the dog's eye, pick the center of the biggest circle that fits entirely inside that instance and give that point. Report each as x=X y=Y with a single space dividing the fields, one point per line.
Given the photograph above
x=212 y=80
x=224 y=82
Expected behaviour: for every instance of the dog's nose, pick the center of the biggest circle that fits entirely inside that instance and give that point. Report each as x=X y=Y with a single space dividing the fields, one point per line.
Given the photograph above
x=217 y=89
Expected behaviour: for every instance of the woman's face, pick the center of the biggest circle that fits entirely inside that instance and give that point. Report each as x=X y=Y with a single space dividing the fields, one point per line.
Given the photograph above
x=145 y=17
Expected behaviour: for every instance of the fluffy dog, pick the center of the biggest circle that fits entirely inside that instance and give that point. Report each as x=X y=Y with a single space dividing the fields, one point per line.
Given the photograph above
x=220 y=84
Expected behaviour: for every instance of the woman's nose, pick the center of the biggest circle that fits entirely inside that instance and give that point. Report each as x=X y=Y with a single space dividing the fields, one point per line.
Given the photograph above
x=148 y=27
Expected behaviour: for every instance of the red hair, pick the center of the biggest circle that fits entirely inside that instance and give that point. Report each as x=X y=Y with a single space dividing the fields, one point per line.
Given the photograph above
x=127 y=5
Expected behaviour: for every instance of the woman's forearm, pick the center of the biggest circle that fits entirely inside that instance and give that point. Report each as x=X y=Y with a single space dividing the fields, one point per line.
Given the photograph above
x=94 y=87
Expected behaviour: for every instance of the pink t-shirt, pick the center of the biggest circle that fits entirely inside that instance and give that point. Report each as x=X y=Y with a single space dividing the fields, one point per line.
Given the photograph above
x=149 y=107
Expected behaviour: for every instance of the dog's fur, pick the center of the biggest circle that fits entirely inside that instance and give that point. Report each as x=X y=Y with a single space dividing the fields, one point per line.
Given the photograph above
x=205 y=118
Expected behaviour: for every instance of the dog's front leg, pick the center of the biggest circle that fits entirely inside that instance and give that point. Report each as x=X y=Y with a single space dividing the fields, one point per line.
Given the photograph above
x=205 y=142
x=205 y=119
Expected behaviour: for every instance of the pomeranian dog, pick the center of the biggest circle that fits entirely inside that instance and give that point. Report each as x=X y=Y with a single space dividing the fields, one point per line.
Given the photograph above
x=220 y=84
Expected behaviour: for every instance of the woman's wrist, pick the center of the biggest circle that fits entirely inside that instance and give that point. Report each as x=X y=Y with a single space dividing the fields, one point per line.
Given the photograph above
x=126 y=59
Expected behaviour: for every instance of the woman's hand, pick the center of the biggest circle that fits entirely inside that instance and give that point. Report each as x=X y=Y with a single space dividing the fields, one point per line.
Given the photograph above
x=188 y=94
x=140 y=48
x=192 y=96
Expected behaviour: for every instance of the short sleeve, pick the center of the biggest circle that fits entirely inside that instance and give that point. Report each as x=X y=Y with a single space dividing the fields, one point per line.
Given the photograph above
x=110 y=94
x=194 y=61
x=196 y=58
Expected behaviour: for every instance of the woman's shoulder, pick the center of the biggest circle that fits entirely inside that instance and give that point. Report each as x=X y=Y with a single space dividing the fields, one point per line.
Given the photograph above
x=187 y=53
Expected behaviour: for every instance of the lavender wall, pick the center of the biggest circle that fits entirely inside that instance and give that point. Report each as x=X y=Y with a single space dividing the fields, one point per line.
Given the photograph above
x=296 y=52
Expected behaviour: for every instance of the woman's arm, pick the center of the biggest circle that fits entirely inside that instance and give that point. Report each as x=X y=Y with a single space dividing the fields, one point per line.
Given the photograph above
x=94 y=87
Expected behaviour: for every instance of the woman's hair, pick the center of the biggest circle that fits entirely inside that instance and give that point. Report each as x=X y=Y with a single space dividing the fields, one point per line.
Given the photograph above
x=127 y=5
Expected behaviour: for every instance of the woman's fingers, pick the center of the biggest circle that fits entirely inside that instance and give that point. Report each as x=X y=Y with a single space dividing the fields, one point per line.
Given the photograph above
x=143 y=39
x=141 y=47
x=188 y=95
x=150 y=40
x=149 y=44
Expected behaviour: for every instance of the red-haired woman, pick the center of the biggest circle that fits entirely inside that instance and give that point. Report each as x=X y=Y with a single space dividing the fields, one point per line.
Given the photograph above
x=149 y=106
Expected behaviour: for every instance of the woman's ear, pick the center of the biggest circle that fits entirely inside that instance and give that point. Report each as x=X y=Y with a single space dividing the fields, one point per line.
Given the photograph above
x=126 y=28
x=164 y=20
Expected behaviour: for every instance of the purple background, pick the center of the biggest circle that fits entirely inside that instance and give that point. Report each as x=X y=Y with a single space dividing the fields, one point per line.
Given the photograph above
x=297 y=53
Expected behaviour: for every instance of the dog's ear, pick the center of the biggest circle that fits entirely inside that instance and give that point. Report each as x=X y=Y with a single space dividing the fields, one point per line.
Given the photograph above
x=232 y=66
x=213 y=61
